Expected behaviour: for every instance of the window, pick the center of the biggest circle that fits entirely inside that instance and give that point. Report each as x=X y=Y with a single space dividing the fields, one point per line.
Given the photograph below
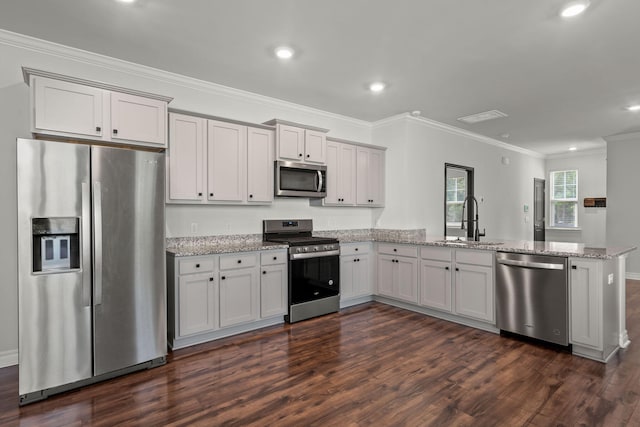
x=456 y=192
x=564 y=198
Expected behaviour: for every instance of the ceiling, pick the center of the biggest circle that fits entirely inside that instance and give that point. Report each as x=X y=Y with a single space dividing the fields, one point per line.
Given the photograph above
x=562 y=82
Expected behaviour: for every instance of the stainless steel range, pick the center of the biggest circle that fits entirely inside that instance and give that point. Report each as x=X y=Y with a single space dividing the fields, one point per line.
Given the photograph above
x=314 y=268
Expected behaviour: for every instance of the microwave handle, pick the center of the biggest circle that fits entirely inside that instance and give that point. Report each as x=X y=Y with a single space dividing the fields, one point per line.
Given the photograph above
x=319 y=181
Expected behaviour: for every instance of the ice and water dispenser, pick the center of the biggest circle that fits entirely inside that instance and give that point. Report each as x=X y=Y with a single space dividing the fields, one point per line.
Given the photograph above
x=56 y=244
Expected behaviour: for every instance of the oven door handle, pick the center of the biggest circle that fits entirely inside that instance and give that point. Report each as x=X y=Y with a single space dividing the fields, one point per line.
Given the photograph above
x=314 y=254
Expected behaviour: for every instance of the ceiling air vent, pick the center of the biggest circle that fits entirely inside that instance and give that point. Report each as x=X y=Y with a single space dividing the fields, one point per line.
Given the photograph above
x=482 y=117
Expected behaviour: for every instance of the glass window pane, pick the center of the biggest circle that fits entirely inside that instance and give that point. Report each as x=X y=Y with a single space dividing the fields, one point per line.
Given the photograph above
x=454 y=212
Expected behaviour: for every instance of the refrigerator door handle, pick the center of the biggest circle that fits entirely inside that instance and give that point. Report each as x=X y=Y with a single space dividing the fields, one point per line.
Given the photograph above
x=97 y=243
x=86 y=245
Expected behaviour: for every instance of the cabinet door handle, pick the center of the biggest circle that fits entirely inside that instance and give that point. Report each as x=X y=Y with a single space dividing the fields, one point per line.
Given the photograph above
x=98 y=128
x=115 y=131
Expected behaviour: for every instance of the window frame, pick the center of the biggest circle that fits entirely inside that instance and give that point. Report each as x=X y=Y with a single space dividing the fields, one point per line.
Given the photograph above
x=553 y=201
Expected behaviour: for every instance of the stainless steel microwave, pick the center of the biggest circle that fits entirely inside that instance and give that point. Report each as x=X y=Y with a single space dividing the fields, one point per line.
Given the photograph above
x=300 y=180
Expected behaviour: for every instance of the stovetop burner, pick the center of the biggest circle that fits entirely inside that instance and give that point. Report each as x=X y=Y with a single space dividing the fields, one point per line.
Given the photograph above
x=302 y=240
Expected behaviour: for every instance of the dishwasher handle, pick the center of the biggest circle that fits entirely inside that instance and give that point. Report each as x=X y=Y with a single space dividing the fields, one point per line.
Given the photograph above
x=529 y=264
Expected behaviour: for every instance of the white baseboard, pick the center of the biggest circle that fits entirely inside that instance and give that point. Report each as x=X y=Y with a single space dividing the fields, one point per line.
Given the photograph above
x=8 y=358
x=633 y=276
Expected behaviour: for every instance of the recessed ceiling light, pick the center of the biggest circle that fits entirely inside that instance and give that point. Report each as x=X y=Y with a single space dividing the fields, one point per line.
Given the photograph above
x=126 y=1
x=377 y=87
x=574 y=8
x=573 y=148
x=634 y=107
x=284 y=52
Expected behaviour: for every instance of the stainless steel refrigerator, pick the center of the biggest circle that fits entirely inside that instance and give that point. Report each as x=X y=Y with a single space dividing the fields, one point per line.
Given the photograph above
x=91 y=261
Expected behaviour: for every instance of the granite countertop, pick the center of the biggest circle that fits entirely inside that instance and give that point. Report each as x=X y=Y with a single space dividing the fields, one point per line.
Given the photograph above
x=419 y=237
x=208 y=245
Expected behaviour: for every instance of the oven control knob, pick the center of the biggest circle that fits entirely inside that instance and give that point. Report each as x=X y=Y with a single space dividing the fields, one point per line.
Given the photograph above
x=330 y=282
x=315 y=249
x=305 y=249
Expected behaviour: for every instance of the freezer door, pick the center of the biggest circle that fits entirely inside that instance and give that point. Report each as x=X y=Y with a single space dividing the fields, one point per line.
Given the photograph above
x=54 y=304
x=129 y=259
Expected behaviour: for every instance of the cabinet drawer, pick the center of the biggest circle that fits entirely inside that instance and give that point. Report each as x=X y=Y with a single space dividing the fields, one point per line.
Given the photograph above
x=401 y=250
x=240 y=260
x=475 y=257
x=273 y=257
x=355 y=249
x=438 y=254
x=196 y=265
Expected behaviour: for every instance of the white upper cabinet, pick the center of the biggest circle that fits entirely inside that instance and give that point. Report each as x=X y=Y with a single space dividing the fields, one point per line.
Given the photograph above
x=75 y=108
x=134 y=118
x=341 y=174
x=369 y=177
x=226 y=161
x=61 y=106
x=186 y=159
x=299 y=143
x=218 y=162
x=259 y=165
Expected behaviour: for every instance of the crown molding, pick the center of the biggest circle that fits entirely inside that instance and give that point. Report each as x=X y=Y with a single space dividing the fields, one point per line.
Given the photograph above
x=577 y=153
x=629 y=136
x=456 y=131
x=73 y=54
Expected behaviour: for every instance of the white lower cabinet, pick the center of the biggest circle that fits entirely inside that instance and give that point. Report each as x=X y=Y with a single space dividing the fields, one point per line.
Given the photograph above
x=214 y=296
x=239 y=296
x=458 y=281
x=593 y=307
x=273 y=284
x=398 y=272
x=356 y=270
x=198 y=305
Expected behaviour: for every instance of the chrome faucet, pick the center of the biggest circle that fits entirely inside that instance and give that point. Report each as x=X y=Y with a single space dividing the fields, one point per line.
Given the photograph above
x=476 y=232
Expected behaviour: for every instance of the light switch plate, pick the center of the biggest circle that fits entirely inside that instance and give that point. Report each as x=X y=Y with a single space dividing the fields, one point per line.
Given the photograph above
x=610 y=279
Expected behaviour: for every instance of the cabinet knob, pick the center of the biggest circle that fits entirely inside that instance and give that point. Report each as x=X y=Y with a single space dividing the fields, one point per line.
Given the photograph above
x=264 y=272
x=239 y=261
x=210 y=194
x=308 y=155
x=446 y=268
x=98 y=128
x=358 y=260
x=574 y=267
x=457 y=269
x=199 y=194
x=251 y=196
x=356 y=249
x=275 y=258
x=395 y=250
x=354 y=260
x=223 y=277
x=211 y=279
x=197 y=265
x=115 y=131
x=299 y=154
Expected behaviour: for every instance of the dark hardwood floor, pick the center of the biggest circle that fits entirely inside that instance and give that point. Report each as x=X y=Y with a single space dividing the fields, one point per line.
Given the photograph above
x=368 y=365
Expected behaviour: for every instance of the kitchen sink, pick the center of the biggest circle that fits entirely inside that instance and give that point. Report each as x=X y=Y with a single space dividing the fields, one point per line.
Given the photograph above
x=468 y=243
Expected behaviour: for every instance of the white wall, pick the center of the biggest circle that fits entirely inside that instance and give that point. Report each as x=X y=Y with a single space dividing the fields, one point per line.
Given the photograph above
x=416 y=154
x=623 y=196
x=592 y=182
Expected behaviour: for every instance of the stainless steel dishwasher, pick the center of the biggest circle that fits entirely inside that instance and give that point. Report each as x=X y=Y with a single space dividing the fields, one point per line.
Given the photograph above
x=532 y=296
